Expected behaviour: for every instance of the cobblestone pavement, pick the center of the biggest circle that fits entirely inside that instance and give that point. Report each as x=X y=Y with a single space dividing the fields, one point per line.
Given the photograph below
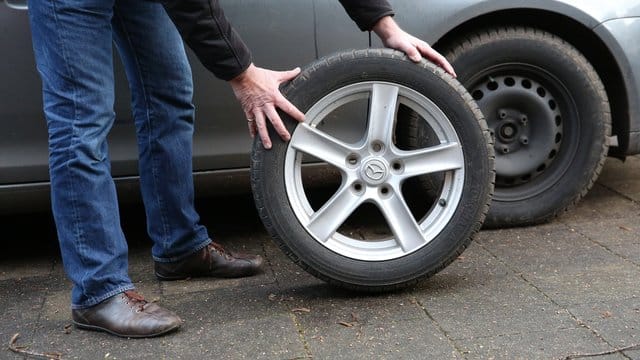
x=571 y=286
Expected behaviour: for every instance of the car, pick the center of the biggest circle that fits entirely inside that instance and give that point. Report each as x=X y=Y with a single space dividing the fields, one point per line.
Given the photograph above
x=557 y=81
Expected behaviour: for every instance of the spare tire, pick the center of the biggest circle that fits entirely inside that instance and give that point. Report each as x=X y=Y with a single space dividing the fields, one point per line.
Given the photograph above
x=369 y=233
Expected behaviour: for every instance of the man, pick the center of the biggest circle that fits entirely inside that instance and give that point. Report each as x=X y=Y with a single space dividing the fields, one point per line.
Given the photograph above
x=72 y=42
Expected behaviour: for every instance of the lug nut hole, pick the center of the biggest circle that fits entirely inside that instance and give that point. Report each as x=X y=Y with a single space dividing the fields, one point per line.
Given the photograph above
x=357 y=187
x=352 y=159
x=377 y=146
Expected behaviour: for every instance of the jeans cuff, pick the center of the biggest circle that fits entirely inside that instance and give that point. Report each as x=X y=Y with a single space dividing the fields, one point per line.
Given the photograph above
x=200 y=246
x=95 y=301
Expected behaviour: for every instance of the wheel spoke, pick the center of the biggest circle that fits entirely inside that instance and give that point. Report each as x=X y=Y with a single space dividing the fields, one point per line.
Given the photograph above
x=384 y=99
x=400 y=219
x=443 y=157
x=316 y=143
x=333 y=213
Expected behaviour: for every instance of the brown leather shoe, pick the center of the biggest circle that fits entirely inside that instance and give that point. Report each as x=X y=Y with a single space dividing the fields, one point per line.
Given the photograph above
x=212 y=261
x=127 y=314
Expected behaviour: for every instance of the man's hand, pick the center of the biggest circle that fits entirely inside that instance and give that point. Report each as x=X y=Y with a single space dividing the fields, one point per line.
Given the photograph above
x=394 y=37
x=258 y=91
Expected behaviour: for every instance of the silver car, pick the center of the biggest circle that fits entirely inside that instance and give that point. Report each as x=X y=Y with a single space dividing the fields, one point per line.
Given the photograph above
x=557 y=81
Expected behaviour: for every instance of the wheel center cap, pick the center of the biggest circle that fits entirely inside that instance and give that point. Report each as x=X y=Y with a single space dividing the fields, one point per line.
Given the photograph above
x=374 y=171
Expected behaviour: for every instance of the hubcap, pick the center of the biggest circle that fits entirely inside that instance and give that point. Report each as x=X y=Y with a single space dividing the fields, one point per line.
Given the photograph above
x=373 y=171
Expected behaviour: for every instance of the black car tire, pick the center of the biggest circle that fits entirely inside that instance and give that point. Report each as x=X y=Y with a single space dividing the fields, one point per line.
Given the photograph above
x=390 y=68
x=549 y=113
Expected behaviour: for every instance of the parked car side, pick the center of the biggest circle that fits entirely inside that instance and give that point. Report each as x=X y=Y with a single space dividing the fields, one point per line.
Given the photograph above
x=557 y=80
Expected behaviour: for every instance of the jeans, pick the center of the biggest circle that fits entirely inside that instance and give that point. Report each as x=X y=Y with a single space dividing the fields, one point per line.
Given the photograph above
x=73 y=42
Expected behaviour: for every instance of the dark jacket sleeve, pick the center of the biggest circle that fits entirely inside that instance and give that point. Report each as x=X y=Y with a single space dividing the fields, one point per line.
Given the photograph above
x=204 y=27
x=366 y=13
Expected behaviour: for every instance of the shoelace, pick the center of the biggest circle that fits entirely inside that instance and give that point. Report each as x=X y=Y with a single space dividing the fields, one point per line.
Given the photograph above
x=220 y=250
x=134 y=297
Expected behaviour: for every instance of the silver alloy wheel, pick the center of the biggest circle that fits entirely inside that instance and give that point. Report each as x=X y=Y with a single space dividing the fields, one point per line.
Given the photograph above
x=374 y=170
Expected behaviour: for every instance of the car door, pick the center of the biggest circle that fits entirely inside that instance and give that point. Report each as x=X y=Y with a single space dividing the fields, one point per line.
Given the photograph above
x=280 y=35
x=23 y=136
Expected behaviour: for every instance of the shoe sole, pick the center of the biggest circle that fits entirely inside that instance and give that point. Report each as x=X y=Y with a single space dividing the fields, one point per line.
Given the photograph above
x=171 y=278
x=214 y=276
x=99 y=328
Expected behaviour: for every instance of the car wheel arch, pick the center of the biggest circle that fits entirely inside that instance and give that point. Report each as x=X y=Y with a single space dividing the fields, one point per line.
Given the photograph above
x=597 y=50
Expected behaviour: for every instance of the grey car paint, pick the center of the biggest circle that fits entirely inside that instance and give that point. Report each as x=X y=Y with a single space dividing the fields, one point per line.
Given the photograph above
x=281 y=34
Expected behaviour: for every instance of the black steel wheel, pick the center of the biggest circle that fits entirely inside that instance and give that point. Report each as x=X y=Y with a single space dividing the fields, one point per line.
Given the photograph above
x=549 y=115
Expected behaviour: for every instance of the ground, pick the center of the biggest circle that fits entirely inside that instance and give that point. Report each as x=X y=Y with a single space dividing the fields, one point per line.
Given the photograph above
x=545 y=292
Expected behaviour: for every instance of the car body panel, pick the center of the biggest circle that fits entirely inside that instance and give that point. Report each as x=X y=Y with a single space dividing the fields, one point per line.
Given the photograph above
x=220 y=140
x=615 y=24
x=621 y=36
x=282 y=35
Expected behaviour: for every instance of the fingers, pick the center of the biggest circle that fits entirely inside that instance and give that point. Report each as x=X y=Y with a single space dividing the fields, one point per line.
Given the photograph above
x=259 y=95
x=436 y=57
x=262 y=129
x=282 y=102
x=259 y=125
x=412 y=52
x=288 y=75
x=252 y=128
x=277 y=123
x=251 y=123
x=289 y=108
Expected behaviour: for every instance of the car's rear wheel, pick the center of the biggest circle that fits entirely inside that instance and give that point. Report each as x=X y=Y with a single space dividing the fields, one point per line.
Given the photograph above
x=548 y=112
x=369 y=233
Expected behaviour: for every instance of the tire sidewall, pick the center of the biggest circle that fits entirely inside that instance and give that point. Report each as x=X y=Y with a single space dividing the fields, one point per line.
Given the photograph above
x=323 y=78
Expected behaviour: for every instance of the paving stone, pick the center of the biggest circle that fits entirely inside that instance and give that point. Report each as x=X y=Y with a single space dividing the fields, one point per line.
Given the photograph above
x=635 y=354
x=622 y=177
x=568 y=267
x=234 y=324
x=599 y=204
x=547 y=248
x=332 y=306
x=620 y=236
x=22 y=268
x=610 y=283
x=618 y=322
x=411 y=339
x=492 y=301
x=553 y=344
x=20 y=305
x=475 y=277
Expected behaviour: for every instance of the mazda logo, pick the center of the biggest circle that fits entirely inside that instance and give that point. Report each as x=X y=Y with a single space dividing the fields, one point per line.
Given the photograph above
x=374 y=171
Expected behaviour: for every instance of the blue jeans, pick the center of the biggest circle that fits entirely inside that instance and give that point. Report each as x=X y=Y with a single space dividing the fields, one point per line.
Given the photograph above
x=72 y=41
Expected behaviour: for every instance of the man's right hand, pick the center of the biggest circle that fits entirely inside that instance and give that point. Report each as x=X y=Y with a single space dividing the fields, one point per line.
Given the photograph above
x=394 y=37
x=258 y=91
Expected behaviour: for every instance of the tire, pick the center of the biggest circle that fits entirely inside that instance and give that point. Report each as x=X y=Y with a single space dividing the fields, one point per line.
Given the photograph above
x=324 y=233
x=549 y=114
